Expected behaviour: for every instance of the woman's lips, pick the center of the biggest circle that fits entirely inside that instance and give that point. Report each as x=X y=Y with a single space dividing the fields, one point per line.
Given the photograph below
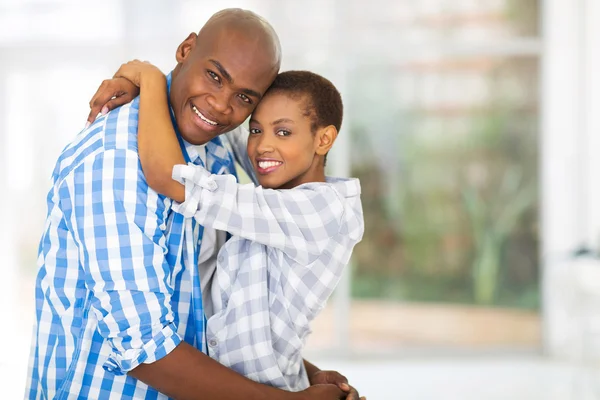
x=267 y=166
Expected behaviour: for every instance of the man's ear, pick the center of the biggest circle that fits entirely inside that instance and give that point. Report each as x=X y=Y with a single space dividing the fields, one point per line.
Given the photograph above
x=325 y=138
x=185 y=48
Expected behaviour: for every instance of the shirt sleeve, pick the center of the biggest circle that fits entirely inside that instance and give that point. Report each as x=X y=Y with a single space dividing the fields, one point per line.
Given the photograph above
x=238 y=139
x=299 y=221
x=118 y=224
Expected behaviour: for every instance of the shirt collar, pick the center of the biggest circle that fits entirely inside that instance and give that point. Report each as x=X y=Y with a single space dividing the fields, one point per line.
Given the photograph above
x=347 y=187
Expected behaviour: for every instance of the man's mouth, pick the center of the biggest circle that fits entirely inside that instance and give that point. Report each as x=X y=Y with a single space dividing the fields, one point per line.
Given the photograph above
x=203 y=118
x=267 y=166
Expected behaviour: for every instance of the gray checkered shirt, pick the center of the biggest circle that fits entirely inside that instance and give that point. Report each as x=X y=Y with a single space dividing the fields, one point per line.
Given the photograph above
x=286 y=256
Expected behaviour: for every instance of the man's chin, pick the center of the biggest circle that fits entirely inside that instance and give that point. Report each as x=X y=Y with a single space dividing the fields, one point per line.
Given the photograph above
x=197 y=138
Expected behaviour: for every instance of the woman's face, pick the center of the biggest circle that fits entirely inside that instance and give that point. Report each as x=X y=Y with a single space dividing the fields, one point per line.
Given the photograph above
x=281 y=144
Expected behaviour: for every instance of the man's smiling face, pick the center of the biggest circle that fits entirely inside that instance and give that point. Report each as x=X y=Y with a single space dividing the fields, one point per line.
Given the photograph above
x=221 y=76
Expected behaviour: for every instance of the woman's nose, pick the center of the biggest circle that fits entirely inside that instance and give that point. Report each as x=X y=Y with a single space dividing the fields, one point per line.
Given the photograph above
x=265 y=144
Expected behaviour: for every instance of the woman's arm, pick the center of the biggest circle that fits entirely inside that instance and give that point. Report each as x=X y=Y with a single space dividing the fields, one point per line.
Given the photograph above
x=299 y=221
x=158 y=147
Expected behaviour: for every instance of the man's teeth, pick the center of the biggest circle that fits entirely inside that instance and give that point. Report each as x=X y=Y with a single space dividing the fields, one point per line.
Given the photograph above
x=202 y=117
x=268 y=164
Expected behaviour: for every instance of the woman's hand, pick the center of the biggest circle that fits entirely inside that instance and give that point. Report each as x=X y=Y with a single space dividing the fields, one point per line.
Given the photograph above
x=111 y=94
x=123 y=88
x=137 y=71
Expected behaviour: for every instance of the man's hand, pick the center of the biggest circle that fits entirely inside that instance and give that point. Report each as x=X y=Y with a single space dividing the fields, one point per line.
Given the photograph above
x=335 y=378
x=322 y=392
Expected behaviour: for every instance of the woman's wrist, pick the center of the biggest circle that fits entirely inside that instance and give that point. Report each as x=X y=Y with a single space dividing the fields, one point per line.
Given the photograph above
x=153 y=79
x=311 y=370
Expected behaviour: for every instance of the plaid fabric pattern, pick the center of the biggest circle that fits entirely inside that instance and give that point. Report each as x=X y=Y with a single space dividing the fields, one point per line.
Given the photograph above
x=286 y=256
x=118 y=280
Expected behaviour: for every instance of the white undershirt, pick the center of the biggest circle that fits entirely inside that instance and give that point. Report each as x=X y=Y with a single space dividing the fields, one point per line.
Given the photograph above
x=212 y=241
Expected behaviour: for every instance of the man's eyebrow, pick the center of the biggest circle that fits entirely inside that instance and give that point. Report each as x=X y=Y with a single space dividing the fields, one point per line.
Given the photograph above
x=222 y=70
x=229 y=79
x=252 y=93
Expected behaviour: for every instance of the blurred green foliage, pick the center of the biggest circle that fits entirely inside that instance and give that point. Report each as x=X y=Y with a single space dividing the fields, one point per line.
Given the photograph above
x=454 y=217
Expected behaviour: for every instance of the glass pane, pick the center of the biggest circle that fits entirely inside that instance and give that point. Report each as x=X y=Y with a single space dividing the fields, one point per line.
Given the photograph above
x=448 y=165
x=464 y=20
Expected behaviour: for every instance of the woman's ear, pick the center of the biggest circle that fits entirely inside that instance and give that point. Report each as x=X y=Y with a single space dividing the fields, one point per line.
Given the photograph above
x=325 y=138
x=185 y=48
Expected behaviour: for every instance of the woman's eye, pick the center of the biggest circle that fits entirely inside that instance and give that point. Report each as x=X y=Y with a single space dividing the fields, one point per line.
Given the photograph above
x=214 y=76
x=283 y=132
x=245 y=98
x=254 y=131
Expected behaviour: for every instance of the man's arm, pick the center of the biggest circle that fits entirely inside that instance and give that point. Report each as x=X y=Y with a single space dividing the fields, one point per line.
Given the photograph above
x=120 y=239
x=119 y=235
x=186 y=373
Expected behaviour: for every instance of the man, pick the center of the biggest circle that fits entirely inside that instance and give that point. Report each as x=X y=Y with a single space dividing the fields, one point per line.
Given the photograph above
x=120 y=310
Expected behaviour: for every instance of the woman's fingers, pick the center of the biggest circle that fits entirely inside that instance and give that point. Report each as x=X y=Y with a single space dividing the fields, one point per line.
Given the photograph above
x=111 y=94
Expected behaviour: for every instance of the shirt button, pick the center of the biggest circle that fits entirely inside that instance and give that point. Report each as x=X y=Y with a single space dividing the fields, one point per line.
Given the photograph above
x=213 y=343
x=221 y=258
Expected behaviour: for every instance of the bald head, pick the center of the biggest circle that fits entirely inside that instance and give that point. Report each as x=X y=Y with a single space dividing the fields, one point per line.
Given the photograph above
x=247 y=23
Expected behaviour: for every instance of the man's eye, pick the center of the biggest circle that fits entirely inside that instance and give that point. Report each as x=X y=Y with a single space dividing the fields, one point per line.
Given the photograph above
x=214 y=76
x=254 y=131
x=245 y=98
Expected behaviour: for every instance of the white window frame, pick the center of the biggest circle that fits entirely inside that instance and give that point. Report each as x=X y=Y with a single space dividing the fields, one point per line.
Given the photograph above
x=570 y=141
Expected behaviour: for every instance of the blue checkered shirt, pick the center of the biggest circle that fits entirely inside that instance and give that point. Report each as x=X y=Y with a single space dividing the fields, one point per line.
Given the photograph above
x=118 y=280
x=286 y=256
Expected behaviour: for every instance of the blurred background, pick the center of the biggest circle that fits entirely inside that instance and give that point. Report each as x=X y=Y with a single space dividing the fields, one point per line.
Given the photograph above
x=473 y=126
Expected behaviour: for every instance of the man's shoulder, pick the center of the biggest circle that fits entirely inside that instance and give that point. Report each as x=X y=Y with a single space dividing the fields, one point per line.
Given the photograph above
x=116 y=131
x=120 y=127
x=237 y=135
x=221 y=148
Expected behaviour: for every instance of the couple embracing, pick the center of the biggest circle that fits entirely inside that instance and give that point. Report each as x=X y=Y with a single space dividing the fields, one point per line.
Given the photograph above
x=160 y=276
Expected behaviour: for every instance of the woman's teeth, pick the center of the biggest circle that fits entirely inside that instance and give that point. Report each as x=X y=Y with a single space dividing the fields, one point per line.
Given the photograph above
x=202 y=117
x=268 y=164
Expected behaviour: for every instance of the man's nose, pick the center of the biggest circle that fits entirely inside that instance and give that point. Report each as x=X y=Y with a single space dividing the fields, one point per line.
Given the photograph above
x=219 y=102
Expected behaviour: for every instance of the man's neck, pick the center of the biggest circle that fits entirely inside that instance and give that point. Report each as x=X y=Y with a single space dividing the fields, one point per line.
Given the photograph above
x=186 y=147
